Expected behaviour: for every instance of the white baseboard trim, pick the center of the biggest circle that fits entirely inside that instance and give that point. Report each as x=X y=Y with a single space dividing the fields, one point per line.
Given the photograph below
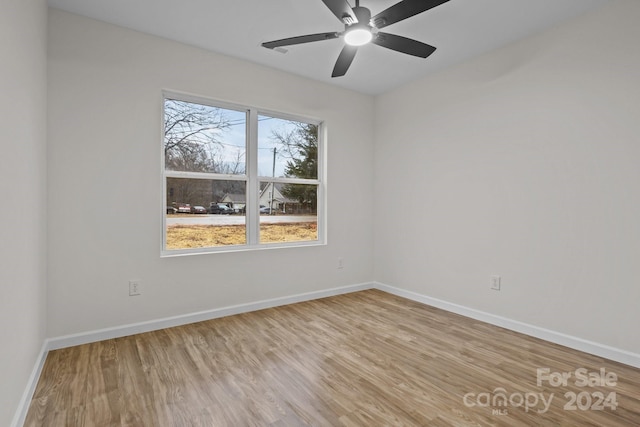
x=601 y=350
x=25 y=400
x=169 y=322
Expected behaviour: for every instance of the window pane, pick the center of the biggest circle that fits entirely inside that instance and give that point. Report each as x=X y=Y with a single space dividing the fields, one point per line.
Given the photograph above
x=288 y=212
x=287 y=148
x=205 y=213
x=201 y=138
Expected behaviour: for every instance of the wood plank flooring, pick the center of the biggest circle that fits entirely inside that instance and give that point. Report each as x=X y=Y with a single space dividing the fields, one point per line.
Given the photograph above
x=362 y=359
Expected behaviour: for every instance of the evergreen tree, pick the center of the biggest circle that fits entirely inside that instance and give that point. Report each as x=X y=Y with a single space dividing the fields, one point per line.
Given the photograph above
x=302 y=145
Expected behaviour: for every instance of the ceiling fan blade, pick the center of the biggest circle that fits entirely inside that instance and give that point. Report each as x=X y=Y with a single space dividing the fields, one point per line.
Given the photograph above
x=403 y=44
x=301 y=39
x=342 y=10
x=403 y=10
x=344 y=61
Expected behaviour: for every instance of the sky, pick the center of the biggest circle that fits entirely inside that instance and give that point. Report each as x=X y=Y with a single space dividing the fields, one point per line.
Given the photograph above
x=230 y=146
x=233 y=141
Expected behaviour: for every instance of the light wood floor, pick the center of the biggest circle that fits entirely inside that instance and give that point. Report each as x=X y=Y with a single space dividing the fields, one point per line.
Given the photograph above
x=362 y=359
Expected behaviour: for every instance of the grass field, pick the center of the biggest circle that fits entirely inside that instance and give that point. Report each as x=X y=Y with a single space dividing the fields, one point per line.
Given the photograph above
x=204 y=236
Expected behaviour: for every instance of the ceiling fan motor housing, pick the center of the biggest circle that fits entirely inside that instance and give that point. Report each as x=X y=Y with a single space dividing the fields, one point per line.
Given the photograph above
x=364 y=17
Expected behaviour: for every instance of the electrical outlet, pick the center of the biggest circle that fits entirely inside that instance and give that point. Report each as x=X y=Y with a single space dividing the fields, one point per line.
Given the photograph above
x=135 y=288
x=495 y=283
x=340 y=263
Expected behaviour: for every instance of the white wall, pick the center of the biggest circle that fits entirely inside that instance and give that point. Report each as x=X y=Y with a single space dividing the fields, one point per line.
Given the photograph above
x=523 y=163
x=105 y=188
x=23 y=192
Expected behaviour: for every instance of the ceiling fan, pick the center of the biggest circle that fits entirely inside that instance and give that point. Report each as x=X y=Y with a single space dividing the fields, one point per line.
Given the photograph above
x=361 y=28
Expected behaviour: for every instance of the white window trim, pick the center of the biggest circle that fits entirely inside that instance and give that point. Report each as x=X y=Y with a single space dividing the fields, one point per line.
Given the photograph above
x=252 y=216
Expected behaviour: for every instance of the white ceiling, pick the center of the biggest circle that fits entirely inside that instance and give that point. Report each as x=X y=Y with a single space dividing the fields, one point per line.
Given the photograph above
x=460 y=29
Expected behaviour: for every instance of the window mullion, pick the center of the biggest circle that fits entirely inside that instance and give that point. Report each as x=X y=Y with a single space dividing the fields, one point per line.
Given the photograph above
x=252 y=214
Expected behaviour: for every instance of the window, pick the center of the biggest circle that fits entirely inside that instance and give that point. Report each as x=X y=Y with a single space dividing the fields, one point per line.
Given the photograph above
x=239 y=178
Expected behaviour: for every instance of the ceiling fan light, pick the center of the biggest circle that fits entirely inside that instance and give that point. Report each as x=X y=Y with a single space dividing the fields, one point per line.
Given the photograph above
x=358 y=36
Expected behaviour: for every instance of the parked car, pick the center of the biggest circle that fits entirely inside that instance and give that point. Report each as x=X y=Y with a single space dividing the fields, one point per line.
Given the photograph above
x=171 y=210
x=265 y=210
x=220 y=208
x=184 y=208
x=198 y=210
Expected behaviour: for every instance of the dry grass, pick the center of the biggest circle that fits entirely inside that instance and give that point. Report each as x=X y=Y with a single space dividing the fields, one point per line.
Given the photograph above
x=204 y=236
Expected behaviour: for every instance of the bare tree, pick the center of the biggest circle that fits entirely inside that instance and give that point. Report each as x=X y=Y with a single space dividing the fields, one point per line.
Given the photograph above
x=191 y=133
x=194 y=141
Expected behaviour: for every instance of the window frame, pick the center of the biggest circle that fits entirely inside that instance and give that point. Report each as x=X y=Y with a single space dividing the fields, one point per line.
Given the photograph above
x=250 y=177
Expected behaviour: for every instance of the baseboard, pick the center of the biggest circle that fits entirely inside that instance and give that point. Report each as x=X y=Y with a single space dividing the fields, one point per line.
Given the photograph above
x=169 y=322
x=601 y=350
x=25 y=401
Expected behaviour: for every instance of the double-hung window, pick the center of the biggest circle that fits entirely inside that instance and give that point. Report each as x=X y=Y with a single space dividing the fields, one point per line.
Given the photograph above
x=237 y=177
